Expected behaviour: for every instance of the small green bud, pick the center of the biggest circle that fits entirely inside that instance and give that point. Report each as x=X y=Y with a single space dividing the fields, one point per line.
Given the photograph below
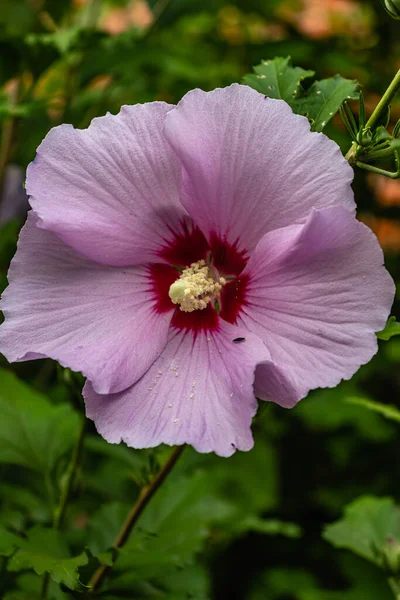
x=365 y=137
x=392 y=7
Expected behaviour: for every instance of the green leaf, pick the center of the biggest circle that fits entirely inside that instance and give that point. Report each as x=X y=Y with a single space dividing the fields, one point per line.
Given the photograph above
x=21 y=111
x=8 y=542
x=337 y=408
x=324 y=99
x=14 y=519
x=178 y=520
x=387 y=410
x=21 y=595
x=63 y=39
x=173 y=527
x=29 y=586
x=277 y=78
x=367 y=524
x=137 y=461
x=33 y=432
x=16 y=17
x=392 y=328
x=268 y=527
x=45 y=550
x=18 y=496
x=249 y=480
x=104 y=526
x=277 y=583
x=177 y=584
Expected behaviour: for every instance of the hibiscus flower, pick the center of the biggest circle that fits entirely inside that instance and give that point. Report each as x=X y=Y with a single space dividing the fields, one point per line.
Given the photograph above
x=189 y=259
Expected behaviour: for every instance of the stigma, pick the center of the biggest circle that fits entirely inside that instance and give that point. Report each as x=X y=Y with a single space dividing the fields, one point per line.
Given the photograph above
x=198 y=285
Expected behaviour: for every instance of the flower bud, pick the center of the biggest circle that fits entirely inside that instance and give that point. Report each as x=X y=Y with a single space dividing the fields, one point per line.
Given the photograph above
x=392 y=7
x=365 y=137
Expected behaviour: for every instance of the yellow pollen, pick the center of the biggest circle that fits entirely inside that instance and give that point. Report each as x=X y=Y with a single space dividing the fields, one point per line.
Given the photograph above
x=196 y=287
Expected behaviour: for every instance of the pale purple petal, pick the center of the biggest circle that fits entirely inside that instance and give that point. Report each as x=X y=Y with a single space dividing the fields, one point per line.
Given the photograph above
x=316 y=295
x=272 y=384
x=110 y=191
x=93 y=318
x=199 y=391
x=251 y=165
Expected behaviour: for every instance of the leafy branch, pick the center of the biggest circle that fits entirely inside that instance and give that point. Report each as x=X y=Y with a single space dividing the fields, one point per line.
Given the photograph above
x=146 y=494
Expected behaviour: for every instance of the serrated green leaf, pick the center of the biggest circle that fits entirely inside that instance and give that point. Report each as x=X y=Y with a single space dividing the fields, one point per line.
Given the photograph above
x=387 y=410
x=277 y=78
x=323 y=100
x=367 y=524
x=33 y=432
x=392 y=328
x=173 y=527
x=45 y=551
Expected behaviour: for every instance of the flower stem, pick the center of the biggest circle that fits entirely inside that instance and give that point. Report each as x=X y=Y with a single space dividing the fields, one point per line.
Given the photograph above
x=380 y=110
x=68 y=484
x=146 y=494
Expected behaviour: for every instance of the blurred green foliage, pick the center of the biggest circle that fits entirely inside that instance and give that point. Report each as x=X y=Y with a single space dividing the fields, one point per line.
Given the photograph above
x=248 y=527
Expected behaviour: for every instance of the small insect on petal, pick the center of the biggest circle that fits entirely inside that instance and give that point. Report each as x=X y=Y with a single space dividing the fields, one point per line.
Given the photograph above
x=239 y=340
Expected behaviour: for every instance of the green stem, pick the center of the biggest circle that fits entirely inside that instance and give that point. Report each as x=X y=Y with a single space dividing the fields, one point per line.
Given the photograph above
x=158 y=10
x=146 y=494
x=93 y=13
x=385 y=101
x=379 y=111
x=49 y=489
x=70 y=476
x=66 y=489
x=395 y=587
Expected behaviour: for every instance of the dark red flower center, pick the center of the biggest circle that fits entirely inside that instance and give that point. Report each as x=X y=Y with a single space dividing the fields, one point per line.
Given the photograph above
x=189 y=247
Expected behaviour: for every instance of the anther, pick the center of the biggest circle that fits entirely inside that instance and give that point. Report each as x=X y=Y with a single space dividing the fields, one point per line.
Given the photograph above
x=196 y=287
